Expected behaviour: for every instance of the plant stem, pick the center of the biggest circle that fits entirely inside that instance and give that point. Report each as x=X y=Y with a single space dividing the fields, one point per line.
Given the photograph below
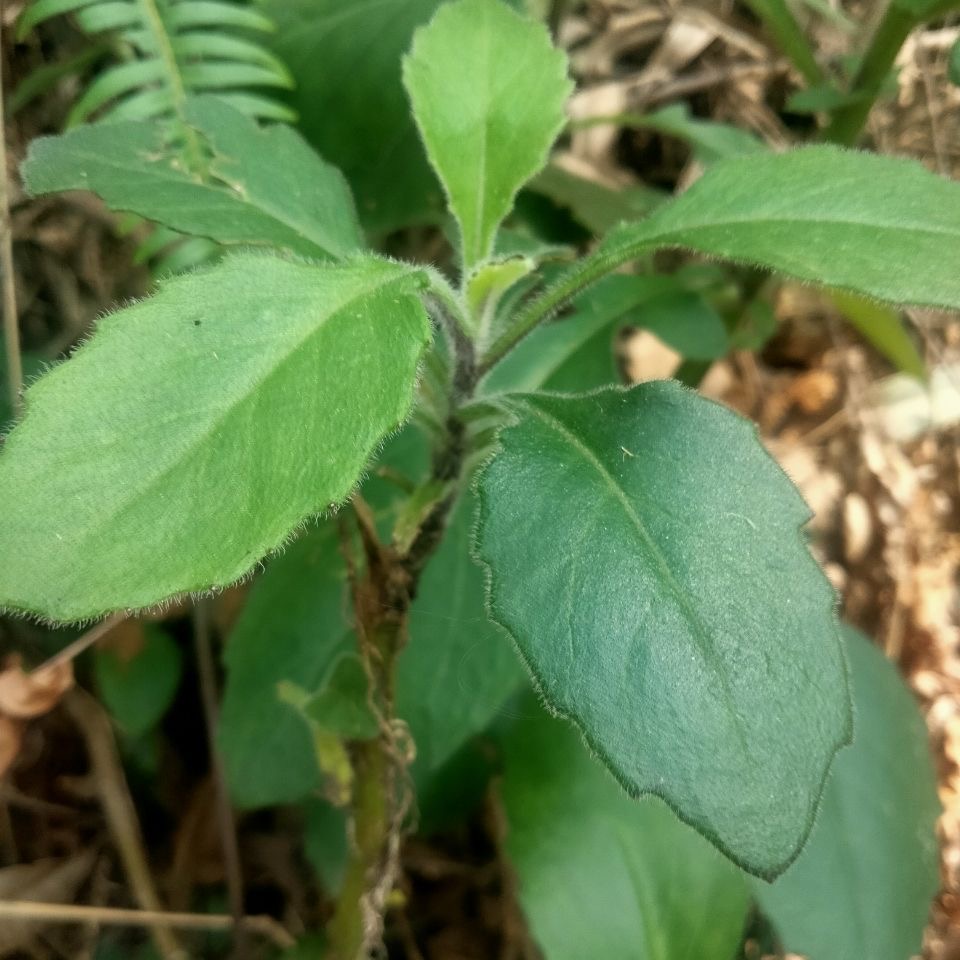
x=206 y=670
x=11 y=326
x=848 y=121
x=356 y=924
x=781 y=22
x=382 y=602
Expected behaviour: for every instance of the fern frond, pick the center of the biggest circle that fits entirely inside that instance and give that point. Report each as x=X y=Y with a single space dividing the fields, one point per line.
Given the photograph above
x=172 y=48
x=168 y=50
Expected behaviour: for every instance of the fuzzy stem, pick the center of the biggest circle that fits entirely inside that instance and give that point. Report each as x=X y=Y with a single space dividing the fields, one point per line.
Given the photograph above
x=382 y=602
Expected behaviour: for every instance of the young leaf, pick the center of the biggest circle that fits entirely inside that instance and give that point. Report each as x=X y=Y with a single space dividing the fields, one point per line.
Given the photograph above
x=488 y=90
x=644 y=552
x=302 y=204
x=354 y=110
x=198 y=428
x=863 y=884
x=596 y=207
x=601 y=875
x=458 y=668
x=292 y=628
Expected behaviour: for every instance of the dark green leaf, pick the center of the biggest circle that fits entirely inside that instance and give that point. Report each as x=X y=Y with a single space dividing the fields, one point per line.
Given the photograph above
x=137 y=690
x=686 y=322
x=291 y=630
x=644 y=551
x=458 y=668
x=325 y=844
x=601 y=875
x=354 y=110
x=863 y=884
x=194 y=432
x=576 y=353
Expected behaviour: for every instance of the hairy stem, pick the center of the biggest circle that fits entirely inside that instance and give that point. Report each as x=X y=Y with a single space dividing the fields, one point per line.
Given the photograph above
x=382 y=599
x=848 y=121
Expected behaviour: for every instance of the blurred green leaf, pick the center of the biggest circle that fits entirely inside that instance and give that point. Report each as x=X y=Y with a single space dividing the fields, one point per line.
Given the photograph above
x=601 y=874
x=340 y=703
x=292 y=628
x=709 y=140
x=138 y=690
x=458 y=668
x=575 y=352
x=351 y=102
x=862 y=886
x=686 y=322
x=596 y=207
x=325 y=843
x=884 y=328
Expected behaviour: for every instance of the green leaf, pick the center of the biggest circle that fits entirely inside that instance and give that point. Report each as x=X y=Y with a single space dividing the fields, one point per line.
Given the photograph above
x=138 y=690
x=953 y=67
x=575 y=353
x=921 y=10
x=709 y=140
x=488 y=91
x=884 y=328
x=198 y=428
x=686 y=322
x=40 y=10
x=596 y=207
x=823 y=98
x=291 y=630
x=302 y=204
x=115 y=82
x=354 y=111
x=644 y=552
x=877 y=225
x=601 y=875
x=458 y=668
x=863 y=884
